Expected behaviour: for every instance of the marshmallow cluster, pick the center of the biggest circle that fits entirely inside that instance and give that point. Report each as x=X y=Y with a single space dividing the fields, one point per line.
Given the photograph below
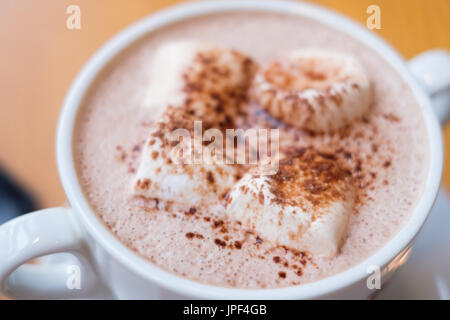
x=306 y=204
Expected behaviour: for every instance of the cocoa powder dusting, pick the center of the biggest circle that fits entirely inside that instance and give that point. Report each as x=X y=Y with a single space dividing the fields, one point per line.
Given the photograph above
x=321 y=175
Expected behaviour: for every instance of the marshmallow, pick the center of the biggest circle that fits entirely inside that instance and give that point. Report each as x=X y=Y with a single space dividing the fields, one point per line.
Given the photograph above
x=191 y=81
x=208 y=81
x=305 y=206
x=313 y=89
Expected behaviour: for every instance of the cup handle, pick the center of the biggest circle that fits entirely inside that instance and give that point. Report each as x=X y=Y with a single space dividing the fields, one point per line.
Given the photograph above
x=432 y=71
x=37 y=234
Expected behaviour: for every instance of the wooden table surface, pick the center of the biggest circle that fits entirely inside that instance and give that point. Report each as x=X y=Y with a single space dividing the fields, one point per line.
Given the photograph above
x=39 y=57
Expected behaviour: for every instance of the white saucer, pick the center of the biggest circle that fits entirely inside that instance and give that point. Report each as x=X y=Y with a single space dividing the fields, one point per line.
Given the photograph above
x=426 y=274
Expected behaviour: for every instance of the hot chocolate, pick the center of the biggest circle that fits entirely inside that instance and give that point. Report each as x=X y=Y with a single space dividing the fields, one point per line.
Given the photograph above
x=382 y=151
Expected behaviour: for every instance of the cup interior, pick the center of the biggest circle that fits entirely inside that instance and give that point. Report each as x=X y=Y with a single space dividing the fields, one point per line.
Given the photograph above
x=186 y=287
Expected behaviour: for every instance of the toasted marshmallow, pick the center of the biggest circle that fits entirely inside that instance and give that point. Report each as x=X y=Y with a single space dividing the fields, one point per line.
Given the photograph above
x=191 y=81
x=208 y=80
x=305 y=206
x=313 y=89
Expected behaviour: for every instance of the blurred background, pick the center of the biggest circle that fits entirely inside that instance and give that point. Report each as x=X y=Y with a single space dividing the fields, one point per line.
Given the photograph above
x=40 y=56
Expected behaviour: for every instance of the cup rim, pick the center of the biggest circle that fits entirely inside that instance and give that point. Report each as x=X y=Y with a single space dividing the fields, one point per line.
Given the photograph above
x=196 y=289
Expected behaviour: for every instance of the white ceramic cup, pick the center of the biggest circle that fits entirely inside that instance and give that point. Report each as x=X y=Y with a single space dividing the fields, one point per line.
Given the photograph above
x=110 y=269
